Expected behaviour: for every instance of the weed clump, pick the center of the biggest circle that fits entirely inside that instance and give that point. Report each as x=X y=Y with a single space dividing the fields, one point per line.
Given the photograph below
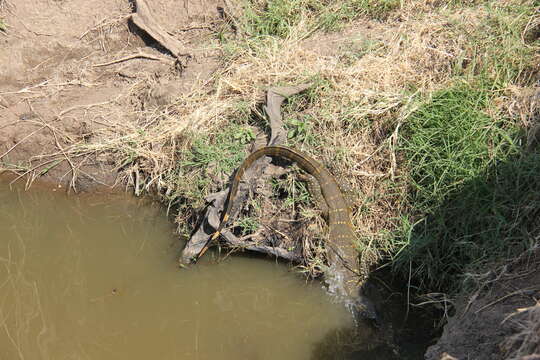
x=280 y=17
x=469 y=186
x=451 y=140
x=207 y=164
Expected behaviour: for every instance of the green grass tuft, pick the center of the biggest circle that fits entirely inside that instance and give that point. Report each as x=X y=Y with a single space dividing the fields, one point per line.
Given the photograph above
x=225 y=151
x=247 y=225
x=450 y=141
x=279 y=17
x=470 y=188
x=210 y=157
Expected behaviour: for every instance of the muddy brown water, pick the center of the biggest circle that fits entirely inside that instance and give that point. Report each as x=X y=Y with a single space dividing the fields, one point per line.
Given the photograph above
x=96 y=277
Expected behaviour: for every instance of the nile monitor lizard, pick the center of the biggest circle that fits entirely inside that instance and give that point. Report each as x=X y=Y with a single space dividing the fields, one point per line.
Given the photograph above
x=342 y=257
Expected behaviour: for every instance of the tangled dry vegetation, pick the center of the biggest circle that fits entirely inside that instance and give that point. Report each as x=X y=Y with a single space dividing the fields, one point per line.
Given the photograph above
x=526 y=344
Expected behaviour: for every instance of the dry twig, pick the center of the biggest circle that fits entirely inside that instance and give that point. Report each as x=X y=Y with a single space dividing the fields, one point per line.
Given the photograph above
x=139 y=55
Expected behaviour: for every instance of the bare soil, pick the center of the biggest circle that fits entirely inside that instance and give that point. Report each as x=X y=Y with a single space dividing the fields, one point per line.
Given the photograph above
x=55 y=89
x=489 y=324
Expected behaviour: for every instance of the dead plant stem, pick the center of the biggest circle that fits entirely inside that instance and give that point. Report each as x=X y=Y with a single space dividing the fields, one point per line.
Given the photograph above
x=136 y=56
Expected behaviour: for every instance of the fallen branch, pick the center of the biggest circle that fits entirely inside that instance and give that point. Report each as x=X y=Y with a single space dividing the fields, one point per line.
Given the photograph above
x=144 y=19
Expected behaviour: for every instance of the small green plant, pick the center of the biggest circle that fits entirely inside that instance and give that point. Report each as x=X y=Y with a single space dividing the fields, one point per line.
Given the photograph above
x=301 y=127
x=225 y=150
x=247 y=225
x=244 y=135
x=299 y=131
x=3 y=25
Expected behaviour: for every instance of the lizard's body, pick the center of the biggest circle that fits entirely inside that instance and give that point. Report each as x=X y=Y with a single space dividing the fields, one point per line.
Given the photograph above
x=342 y=256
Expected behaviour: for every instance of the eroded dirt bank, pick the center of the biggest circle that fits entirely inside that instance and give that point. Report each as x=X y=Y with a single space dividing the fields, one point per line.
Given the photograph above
x=64 y=80
x=502 y=317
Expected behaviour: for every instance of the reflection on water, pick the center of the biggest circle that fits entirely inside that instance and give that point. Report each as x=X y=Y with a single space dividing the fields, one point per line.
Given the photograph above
x=95 y=277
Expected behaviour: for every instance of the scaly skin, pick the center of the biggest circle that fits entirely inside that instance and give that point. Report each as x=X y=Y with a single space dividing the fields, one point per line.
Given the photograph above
x=342 y=257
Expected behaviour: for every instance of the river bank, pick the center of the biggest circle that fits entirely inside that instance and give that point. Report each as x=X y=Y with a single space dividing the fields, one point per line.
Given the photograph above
x=87 y=99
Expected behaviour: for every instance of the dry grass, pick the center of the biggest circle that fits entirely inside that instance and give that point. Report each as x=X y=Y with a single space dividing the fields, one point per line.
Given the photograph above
x=357 y=103
x=526 y=344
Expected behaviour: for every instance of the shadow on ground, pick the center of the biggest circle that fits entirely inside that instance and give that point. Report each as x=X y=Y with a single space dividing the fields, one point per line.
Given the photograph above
x=493 y=217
